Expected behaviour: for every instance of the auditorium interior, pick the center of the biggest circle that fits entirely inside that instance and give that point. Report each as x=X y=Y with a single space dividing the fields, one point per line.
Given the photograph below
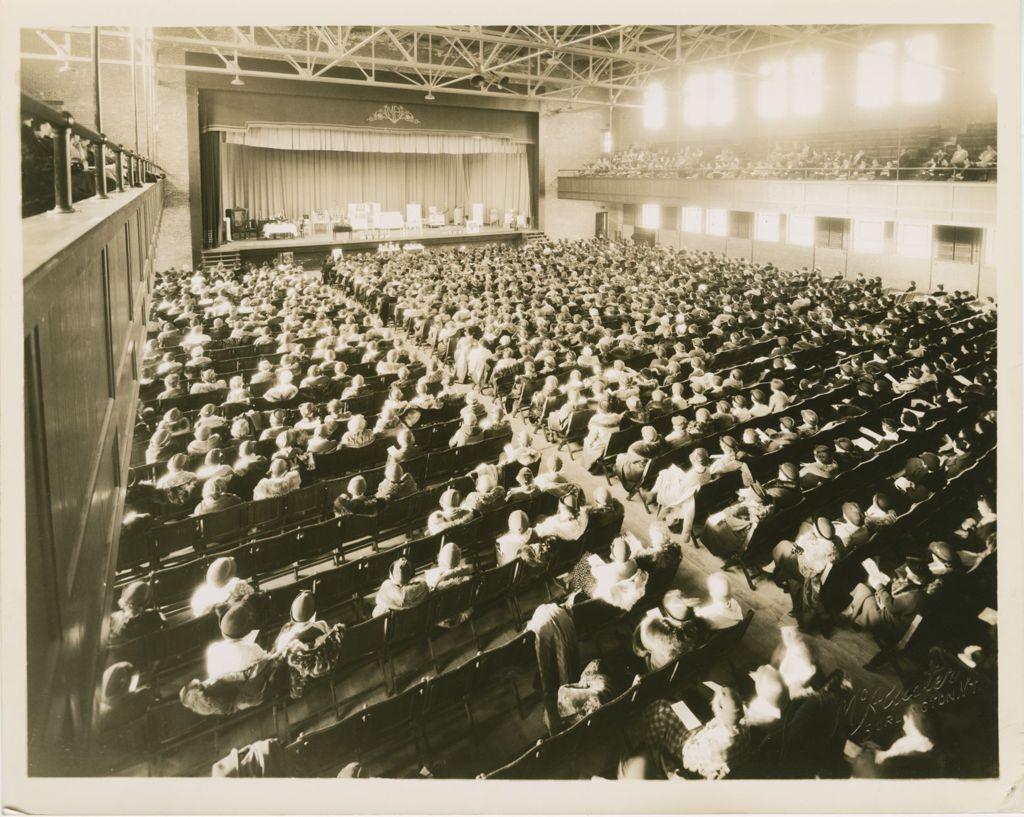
x=510 y=402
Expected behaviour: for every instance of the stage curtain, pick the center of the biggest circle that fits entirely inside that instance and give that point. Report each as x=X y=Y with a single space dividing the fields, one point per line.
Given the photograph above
x=293 y=183
x=369 y=140
x=210 y=175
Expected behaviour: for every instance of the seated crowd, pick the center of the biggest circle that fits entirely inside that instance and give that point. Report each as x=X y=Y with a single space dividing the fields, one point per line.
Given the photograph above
x=797 y=161
x=677 y=354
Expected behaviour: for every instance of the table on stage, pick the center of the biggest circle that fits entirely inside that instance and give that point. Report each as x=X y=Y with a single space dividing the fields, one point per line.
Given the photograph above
x=277 y=229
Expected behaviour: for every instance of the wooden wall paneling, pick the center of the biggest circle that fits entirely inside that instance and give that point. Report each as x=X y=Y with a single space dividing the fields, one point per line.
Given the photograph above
x=84 y=322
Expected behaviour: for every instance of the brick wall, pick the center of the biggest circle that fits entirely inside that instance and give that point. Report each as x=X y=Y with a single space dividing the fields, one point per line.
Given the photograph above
x=567 y=140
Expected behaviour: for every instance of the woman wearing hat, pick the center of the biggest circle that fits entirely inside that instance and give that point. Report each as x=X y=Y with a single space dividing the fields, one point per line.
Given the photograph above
x=357 y=435
x=619 y=581
x=887 y=608
x=731 y=458
x=237 y=651
x=520 y=542
x=221 y=588
x=401 y=590
x=569 y=523
x=135 y=617
x=852 y=529
x=214 y=467
x=823 y=468
x=450 y=571
x=405 y=447
x=710 y=751
x=303 y=626
x=280 y=481
x=178 y=484
x=668 y=631
x=554 y=481
x=675 y=490
x=450 y=514
x=122 y=699
x=727 y=532
x=216 y=497
x=631 y=465
x=880 y=513
x=486 y=496
x=161 y=446
x=600 y=428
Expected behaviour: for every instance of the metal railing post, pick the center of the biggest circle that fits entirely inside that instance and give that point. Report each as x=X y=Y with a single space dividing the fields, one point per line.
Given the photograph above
x=62 y=166
x=119 y=158
x=100 y=168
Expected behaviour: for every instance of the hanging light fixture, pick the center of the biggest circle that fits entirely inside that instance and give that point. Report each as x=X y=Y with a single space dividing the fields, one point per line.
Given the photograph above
x=234 y=64
x=430 y=95
x=64 y=68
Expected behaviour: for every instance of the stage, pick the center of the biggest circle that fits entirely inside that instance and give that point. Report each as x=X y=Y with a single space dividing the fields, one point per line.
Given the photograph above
x=314 y=248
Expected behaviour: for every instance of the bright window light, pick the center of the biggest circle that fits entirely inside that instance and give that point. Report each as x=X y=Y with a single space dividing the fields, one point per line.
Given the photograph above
x=691 y=219
x=868 y=236
x=806 y=84
x=876 y=75
x=771 y=90
x=718 y=222
x=654 y=106
x=722 y=108
x=801 y=230
x=914 y=240
x=606 y=141
x=650 y=216
x=767 y=227
x=921 y=80
x=695 y=100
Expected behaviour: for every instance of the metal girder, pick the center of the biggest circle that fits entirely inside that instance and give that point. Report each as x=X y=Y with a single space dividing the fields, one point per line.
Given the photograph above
x=593 y=64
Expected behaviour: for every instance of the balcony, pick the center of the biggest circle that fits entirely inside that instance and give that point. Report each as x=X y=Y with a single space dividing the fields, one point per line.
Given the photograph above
x=962 y=203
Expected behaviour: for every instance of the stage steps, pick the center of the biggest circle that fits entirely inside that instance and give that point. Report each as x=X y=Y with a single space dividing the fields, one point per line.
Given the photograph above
x=536 y=235
x=229 y=258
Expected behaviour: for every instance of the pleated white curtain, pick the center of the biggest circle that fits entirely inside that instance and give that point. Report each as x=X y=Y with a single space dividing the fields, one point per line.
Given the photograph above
x=293 y=183
x=368 y=140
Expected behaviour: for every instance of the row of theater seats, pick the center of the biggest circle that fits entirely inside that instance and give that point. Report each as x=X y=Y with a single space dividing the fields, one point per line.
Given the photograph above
x=169 y=731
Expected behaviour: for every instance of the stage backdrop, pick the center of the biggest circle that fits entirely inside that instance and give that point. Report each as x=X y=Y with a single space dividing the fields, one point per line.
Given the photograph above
x=255 y=155
x=292 y=183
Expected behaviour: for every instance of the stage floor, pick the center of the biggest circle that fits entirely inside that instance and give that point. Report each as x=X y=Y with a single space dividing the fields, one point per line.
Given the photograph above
x=319 y=245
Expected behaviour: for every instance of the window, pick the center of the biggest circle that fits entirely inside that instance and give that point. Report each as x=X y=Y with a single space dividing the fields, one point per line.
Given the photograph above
x=919 y=73
x=806 y=84
x=767 y=227
x=876 y=75
x=695 y=100
x=801 y=230
x=691 y=220
x=832 y=233
x=739 y=224
x=868 y=235
x=709 y=98
x=921 y=80
x=723 y=98
x=654 y=106
x=771 y=90
x=650 y=216
x=718 y=222
x=914 y=240
x=957 y=244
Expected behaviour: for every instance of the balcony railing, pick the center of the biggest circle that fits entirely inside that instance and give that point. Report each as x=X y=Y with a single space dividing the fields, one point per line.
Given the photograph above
x=130 y=168
x=824 y=174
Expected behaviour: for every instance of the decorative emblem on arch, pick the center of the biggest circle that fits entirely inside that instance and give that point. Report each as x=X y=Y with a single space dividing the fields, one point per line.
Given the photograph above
x=393 y=114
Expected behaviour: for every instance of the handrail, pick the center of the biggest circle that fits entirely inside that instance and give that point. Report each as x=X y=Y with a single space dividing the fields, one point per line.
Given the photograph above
x=795 y=174
x=65 y=124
